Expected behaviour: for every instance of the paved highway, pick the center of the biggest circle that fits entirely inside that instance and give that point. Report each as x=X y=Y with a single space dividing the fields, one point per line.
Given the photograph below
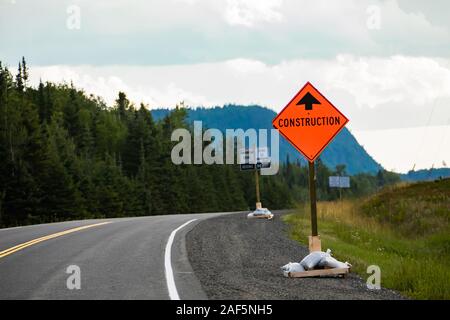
x=118 y=259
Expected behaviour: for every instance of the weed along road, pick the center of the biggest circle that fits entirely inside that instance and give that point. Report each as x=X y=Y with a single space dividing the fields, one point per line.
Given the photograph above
x=125 y=258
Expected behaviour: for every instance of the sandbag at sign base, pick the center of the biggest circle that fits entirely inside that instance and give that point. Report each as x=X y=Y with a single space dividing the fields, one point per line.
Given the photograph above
x=261 y=213
x=316 y=264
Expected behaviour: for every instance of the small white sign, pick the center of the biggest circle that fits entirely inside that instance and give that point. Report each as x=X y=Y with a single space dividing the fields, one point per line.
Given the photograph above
x=263 y=152
x=333 y=181
x=264 y=160
x=248 y=155
x=339 y=182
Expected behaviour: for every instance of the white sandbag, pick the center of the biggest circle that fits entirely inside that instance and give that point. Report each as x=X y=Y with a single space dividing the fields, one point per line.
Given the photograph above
x=253 y=215
x=313 y=259
x=293 y=267
x=330 y=262
x=261 y=212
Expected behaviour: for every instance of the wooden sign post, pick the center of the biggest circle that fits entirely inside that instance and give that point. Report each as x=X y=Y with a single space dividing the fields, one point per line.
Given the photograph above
x=309 y=122
x=314 y=239
x=258 y=198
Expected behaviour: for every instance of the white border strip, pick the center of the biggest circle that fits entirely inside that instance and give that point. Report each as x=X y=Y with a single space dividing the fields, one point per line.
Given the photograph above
x=173 y=293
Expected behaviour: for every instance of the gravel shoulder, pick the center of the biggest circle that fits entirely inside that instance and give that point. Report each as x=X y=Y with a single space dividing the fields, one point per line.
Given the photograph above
x=239 y=258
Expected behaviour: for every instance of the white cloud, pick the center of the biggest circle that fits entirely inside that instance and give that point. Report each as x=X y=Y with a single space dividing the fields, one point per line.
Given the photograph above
x=402 y=149
x=246 y=66
x=357 y=84
x=398 y=79
x=250 y=12
x=106 y=82
x=408 y=27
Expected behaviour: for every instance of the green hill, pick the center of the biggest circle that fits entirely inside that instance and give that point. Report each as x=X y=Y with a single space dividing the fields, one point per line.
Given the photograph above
x=417 y=209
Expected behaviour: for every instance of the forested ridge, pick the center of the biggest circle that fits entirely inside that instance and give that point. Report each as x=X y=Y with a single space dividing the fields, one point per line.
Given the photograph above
x=67 y=155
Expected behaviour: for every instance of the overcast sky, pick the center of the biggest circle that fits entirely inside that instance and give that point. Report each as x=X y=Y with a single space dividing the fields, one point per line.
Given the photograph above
x=384 y=64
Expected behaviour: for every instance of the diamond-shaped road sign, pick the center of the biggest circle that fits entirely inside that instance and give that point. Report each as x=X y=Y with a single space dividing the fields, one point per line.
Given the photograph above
x=309 y=122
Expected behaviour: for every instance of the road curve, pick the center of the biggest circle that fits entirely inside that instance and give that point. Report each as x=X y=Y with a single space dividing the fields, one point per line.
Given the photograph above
x=123 y=259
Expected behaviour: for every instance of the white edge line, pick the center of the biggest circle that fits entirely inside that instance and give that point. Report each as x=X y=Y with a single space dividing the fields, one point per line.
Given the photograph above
x=173 y=293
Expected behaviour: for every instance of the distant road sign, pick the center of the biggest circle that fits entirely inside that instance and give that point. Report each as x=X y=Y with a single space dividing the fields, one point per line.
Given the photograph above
x=309 y=122
x=252 y=166
x=248 y=155
x=333 y=181
x=261 y=165
x=263 y=152
x=339 y=182
x=248 y=161
x=247 y=166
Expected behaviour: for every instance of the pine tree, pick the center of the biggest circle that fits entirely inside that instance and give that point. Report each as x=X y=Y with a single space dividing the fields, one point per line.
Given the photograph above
x=143 y=185
x=130 y=155
x=237 y=200
x=41 y=101
x=71 y=109
x=44 y=100
x=24 y=72
x=122 y=106
x=19 y=80
x=60 y=197
x=49 y=102
x=3 y=142
x=84 y=137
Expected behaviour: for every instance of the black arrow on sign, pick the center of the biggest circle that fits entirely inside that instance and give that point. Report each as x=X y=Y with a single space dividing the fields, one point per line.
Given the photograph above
x=308 y=100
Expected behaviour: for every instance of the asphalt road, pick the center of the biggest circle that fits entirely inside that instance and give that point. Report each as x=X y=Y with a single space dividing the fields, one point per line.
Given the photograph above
x=217 y=256
x=123 y=259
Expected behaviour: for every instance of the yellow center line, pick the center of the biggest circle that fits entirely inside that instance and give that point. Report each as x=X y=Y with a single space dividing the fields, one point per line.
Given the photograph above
x=24 y=245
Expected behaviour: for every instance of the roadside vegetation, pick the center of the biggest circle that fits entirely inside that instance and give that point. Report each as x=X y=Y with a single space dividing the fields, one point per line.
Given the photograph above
x=403 y=229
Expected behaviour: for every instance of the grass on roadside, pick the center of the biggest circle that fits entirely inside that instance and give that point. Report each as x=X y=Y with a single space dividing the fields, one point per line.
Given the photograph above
x=417 y=263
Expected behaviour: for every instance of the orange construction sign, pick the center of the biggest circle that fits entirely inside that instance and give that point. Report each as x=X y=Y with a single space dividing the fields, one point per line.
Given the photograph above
x=309 y=122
